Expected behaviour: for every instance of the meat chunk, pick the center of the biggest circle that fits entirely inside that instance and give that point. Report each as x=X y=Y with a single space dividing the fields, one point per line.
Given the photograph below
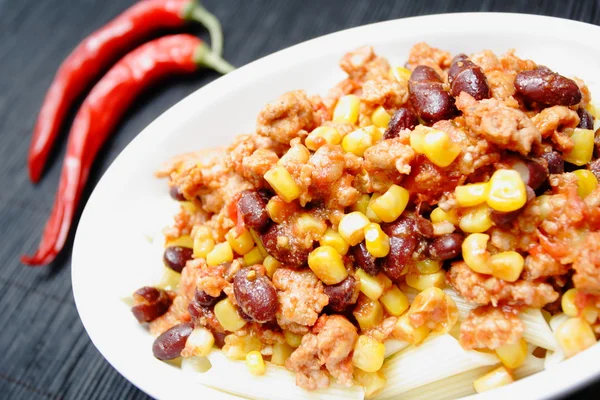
x=484 y=289
x=176 y=314
x=423 y=54
x=329 y=345
x=587 y=265
x=363 y=64
x=301 y=298
x=256 y=165
x=390 y=94
x=490 y=328
x=554 y=122
x=386 y=161
x=283 y=119
x=507 y=127
x=539 y=264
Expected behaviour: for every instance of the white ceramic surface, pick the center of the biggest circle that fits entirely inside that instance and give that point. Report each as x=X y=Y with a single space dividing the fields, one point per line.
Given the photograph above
x=111 y=257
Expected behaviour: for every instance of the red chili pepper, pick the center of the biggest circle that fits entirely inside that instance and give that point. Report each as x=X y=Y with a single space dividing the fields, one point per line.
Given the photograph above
x=101 y=111
x=97 y=53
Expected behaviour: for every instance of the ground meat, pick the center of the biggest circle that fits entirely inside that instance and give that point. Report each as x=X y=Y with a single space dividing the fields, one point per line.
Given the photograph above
x=223 y=191
x=329 y=345
x=507 y=127
x=586 y=97
x=388 y=93
x=484 y=289
x=176 y=314
x=185 y=161
x=387 y=161
x=427 y=182
x=502 y=84
x=539 y=264
x=362 y=64
x=587 y=265
x=551 y=119
x=329 y=164
x=301 y=298
x=184 y=221
x=256 y=165
x=283 y=119
x=510 y=62
x=423 y=54
x=382 y=331
x=490 y=328
x=213 y=280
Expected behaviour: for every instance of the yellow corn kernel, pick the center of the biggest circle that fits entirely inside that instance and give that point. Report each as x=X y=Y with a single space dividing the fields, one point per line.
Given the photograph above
x=380 y=117
x=335 y=240
x=370 y=285
x=327 y=264
x=189 y=206
x=228 y=316
x=433 y=299
x=362 y=203
x=346 y=109
x=417 y=141
x=513 y=355
x=220 y=253
x=567 y=303
x=476 y=220
x=592 y=110
x=404 y=330
x=377 y=242
x=357 y=142
x=236 y=347
x=583 y=147
x=203 y=246
x=253 y=257
x=240 y=244
x=368 y=354
x=391 y=204
x=439 y=215
x=296 y=154
x=428 y=266
x=472 y=194
x=368 y=313
x=307 y=224
x=507 y=265
x=586 y=182
x=255 y=363
x=372 y=382
x=422 y=282
x=475 y=253
x=590 y=314
x=201 y=231
x=282 y=182
x=401 y=74
x=183 y=241
x=492 y=380
x=375 y=132
x=281 y=352
x=321 y=136
x=370 y=213
x=394 y=301
x=352 y=227
x=200 y=342
x=439 y=148
x=507 y=191
x=293 y=339
x=575 y=335
x=271 y=264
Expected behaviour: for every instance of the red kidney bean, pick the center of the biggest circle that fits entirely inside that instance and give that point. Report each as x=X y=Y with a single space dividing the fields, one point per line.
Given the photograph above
x=253 y=209
x=466 y=76
x=291 y=254
x=543 y=86
x=176 y=194
x=401 y=227
x=175 y=257
x=428 y=97
x=343 y=294
x=364 y=259
x=423 y=226
x=556 y=164
x=586 y=121
x=150 y=303
x=597 y=143
x=533 y=172
x=446 y=247
x=505 y=219
x=204 y=299
x=594 y=166
x=399 y=257
x=170 y=344
x=404 y=118
x=219 y=339
x=255 y=294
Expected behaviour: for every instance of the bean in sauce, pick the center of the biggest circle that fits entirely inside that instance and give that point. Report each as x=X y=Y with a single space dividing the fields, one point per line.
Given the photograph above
x=170 y=344
x=342 y=294
x=175 y=257
x=255 y=294
x=404 y=118
x=363 y=259
x=428 y=97
x=544 y=86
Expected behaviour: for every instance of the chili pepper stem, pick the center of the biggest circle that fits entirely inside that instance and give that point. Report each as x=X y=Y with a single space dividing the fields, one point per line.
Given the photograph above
x=194 y=11
x=204 y=56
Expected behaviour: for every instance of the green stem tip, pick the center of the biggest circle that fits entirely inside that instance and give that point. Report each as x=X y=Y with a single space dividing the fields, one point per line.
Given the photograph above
x=205 y=56
x=194 y=11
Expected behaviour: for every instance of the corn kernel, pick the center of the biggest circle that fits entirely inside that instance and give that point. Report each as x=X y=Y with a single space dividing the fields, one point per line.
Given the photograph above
x=368 y=313
x=271 y=264
x=188 y=206
x=404 y=330
x=296 y=154
x=391 y=204
x=307 y=224
x=362 y=203
x=335 y=240
x=220 y=253
x=255 y=363
x=281 y=352
x=592 y=110
x=321 y=136
x=433 y=300
x=253 y=257
x=476 y=220
x=369 y=285
x=575 y=335
x=228 y=316
x=507 y=191
x=417 y=141
x=440 y=149
x=590 y=314
x=422 y=282
x=200 y=342
x=372 y=382
x=328 y=265
x=352 y=227
x=492 y=380
x=357 y=142
x=513 y=355
x=282 y=182
x=377 y=242
x=439 y=215
x=586 y=182
x=583 y=147
x=472 y=194
x=375 y=132
x=380 y=117
x=370 y=213
x=236 y=347
x=507 y=265
x=394 y=301
x=401 y=74
x=567 y=303
x=428 y=266
x=256 y=238
x=183 y=241
x=203 y=246
x=368 y=354
x=346 y=109
x=475 y=253
x=293 y=339
x=240 y=244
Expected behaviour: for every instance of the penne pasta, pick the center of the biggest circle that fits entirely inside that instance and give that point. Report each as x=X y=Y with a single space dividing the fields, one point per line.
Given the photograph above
x=555 y=357
x=464 y=307
x=393 y=346
x=531 y=366
x=537 y=331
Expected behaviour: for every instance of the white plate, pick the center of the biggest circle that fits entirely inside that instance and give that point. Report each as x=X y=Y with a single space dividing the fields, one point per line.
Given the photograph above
x=111 y=257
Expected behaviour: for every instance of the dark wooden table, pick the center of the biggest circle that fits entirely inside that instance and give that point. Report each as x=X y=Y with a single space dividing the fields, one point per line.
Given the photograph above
x=44 y=351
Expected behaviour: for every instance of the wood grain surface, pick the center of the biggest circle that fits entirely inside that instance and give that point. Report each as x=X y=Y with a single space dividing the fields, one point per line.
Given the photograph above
x=44 y=351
